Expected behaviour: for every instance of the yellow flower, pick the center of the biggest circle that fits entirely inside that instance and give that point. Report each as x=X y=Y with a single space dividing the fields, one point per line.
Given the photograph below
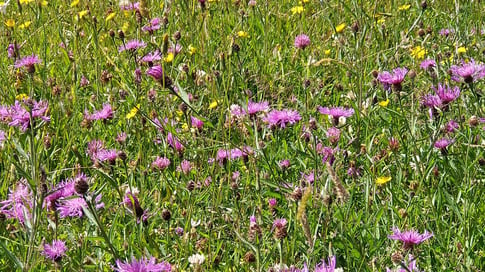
x=26 y=1
x=418 y=52
x=384 y=103
x=303 y=1
x=185 y=127
x=10 y=23
x=381 y=21
x=21 y=96
x=213 y=104
x=74 y=3
x=169 y=57
x=242 y=34
x=83 y=13
x=192 y=50
x=404 y=7
x=340 y=27
x=161 y=5
x=327 y=52
x=297 y=10
x=133 y=112
x=110 y=16
x=25 y=25
x=461 y=50
x=383 y=180
x=125 y=27
x=179 y=113
x=44 y=3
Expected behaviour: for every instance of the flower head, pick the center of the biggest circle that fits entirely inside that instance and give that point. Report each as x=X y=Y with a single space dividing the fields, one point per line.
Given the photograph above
x=394 y=78
x=153 y=25
x=443 y=143
x=427 y=64
x=160 y=163
x=323 y=267
x=151 y=57
x=281 y=118
x=104 y=114
x=468 y=71
x=446 y=93
x=55 y=251
x=18 y=203
x=302 y=41
x=156 y=72
x=132 y=46
x=142 y=265
x=255 y=107
x=410 y=238
x=28 y=62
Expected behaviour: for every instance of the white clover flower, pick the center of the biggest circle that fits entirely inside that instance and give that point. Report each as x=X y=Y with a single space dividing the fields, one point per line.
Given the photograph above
x=196 y=259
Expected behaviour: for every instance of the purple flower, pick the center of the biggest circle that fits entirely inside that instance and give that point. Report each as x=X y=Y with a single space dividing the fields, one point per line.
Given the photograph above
x=333 y=135
x=431 y=101
x=428 y=64
x=179 y=231
x=18 y=116
x=156 y=72
x=121 y=137
x=72 y=207
x=160 y=163
x=446 y=93
x=153 y=25
x=174 y=143
x=28 y=62
x=137 y=74
x=323 y=267
x=196 y=123
x=130 y=6
x=282 y=118
x=18 y=203
x=411 y=267
x=132 y=46
x=98 y=153
x=284 y=164
x=279 y=223
x=445 y=32
x=185 y=167
x=451 y=126
x=272 y=202
x=144 y=264
x=410 y=238
x=336 y=112
x=237 y=110
x=104 y=114
x=255 y=107
x=393 y=79
x=468 y=71
x=309 y=178
x=11 y=50
x=150 y=58
x=2 y=136
x=83 y=82
x=175 y=50
x=302 y=41
x=55 y=251
x=443 y=143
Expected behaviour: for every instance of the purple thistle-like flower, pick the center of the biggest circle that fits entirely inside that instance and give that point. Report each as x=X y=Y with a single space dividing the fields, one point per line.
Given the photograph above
x=284 y=164
x=281 y=118
x=18 y=203
x=121 y=137
x=175 y=49
x=279 y=223
x=394 y=78
x=185 y=167
x=431 y=101
x=72 y=207
x=446 y=93
x=55 y=251
x=153 y=25
x=28 y=62
x=160 y=163
x=323 y=267
x=445 y=32
x=109 y=155
x=410 y=238
x=308 y=178
x=2 y=136
x=336 y=112
x=255 y=107
x=18 y=116
x=132 y=46
x=427 y=64
x=272 y=202
x=196 y=122
x=142 y=265
x=104 y=114
x=302 y=41
x=84 y=81
x=156 y=72
x=468 y=71
x=151 y=57
x=237 y=110
x=333 y=135
x=11 y=50
x=443 y=143
x=130 y=6
x=174 y=143
x=451 y=126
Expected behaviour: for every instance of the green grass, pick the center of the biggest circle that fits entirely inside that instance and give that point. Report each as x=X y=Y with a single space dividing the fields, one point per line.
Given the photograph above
x=428 y=190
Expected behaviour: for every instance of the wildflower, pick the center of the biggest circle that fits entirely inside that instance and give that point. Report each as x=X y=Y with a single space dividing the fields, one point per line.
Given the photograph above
x=282 y=118
x=160 y=163
x=330 y=267
x=302 y=41
x=284 y=164
x=143 y=264
x=340 y=28
x=18 y=203
x=255 y=107
x=104 y=114
x=156 y=72
x=446 y=32
x=17 y=116
x=442 y=144
x=174 y=143
x=404 y=7
x=110 y=16
x=451 y=126
x=126 y=5
x=132 y=46
x=74 y=3
x=55 y=251
x=82 y=13
x=133 y=112
x=418 y=52
x=28 y=62
x=410 y=238
x=336 y=112
x=196 y=122
x=279 y=226
x=272 y=202
x=25 y=25
x=151 y=57
x=393 y=79
x=383 y=180
x=10 y=23
x=175 y=50
x=84 y=81
x=333 y=135
x=196 y=260
x=384 y=103
x=461 y=50
x=428 y=64
x=469 y=71
x=297 y=10
x=242 y=34
x=185 y=167
x=410 y=267
x=2 y=136
x=169 y=58
x=446 y=94
x=153 y=25
x=12 y=50
x=213 y=104
x=192 y=50
x=72 y=207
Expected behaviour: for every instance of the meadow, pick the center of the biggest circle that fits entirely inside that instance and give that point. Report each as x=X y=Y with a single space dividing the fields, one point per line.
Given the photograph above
x=242 y=135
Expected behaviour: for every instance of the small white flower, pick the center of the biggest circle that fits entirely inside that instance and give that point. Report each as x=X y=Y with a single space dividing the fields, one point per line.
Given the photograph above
x=196 y=259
